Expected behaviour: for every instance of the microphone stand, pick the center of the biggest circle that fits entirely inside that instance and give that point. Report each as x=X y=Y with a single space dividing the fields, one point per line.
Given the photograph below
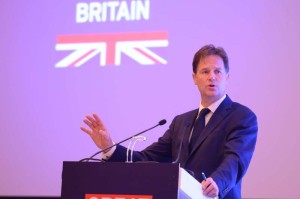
x=138 y=138
x=162 y=122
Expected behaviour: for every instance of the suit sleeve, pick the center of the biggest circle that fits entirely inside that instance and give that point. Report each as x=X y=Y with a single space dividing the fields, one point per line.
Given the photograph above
x=160 y=151
x=239 y=147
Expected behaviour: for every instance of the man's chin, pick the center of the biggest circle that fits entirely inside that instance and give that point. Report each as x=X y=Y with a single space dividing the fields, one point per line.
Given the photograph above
x=213 y=96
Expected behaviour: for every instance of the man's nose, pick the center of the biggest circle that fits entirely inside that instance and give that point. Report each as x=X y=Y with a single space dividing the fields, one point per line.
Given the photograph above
x=212 y=76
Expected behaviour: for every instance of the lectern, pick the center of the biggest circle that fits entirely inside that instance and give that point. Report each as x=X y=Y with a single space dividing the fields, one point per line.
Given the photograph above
x=118 y=180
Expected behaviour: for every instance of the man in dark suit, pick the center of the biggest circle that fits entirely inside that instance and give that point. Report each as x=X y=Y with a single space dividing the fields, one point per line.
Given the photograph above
x=219 y=143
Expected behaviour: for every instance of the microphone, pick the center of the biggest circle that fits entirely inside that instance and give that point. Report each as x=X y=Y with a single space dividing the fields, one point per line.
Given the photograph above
x=187 y=125
x=160 y=123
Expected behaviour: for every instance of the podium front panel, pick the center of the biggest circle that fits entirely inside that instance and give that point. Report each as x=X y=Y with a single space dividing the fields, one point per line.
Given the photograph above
x=159 y=180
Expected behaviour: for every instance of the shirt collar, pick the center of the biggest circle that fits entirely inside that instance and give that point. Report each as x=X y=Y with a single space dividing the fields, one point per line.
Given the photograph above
x=213 y=107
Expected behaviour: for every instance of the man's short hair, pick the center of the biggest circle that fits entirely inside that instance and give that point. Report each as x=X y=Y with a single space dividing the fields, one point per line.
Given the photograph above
x=210 y=50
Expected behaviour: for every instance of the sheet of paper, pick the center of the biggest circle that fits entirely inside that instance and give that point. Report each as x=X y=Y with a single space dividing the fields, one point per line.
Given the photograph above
x=189 y=187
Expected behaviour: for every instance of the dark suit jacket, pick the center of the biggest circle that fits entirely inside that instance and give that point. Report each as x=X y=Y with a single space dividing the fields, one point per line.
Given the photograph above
x=223 y=150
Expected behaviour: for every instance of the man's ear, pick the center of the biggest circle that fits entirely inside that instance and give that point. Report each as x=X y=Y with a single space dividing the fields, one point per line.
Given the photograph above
x=194 y=77
x=227 y=76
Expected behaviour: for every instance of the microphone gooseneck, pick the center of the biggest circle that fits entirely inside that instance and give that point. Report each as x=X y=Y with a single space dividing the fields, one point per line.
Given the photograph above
x=162 y=122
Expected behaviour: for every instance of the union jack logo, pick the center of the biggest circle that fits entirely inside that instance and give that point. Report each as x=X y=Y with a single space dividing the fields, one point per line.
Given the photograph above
x=111 y=47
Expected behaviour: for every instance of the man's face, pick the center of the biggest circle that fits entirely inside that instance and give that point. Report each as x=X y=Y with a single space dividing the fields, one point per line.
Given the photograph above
x=211 y=79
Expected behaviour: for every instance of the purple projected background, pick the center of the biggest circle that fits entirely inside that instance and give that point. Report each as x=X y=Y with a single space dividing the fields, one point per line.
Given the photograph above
x=42 y=106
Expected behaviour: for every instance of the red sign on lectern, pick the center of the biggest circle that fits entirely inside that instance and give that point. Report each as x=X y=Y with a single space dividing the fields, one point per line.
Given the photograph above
x=113 y=196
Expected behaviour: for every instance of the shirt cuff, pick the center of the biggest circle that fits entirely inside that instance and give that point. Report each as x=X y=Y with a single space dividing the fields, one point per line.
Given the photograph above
x=108 y=154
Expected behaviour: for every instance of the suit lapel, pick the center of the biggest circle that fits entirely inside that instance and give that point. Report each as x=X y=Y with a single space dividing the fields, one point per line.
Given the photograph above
x=185 y=145
x=214 y=121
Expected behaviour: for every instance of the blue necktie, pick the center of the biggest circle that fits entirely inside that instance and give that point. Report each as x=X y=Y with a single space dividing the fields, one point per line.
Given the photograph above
x=198 y=128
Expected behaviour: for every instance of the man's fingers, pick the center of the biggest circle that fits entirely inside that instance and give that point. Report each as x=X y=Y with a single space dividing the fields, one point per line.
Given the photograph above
x=206 y=183
x=97 y=119
x=92 y=120
x=96 y=129
x=210 y=188
x=87 y=122
x=85 y=130
x=210 y=191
